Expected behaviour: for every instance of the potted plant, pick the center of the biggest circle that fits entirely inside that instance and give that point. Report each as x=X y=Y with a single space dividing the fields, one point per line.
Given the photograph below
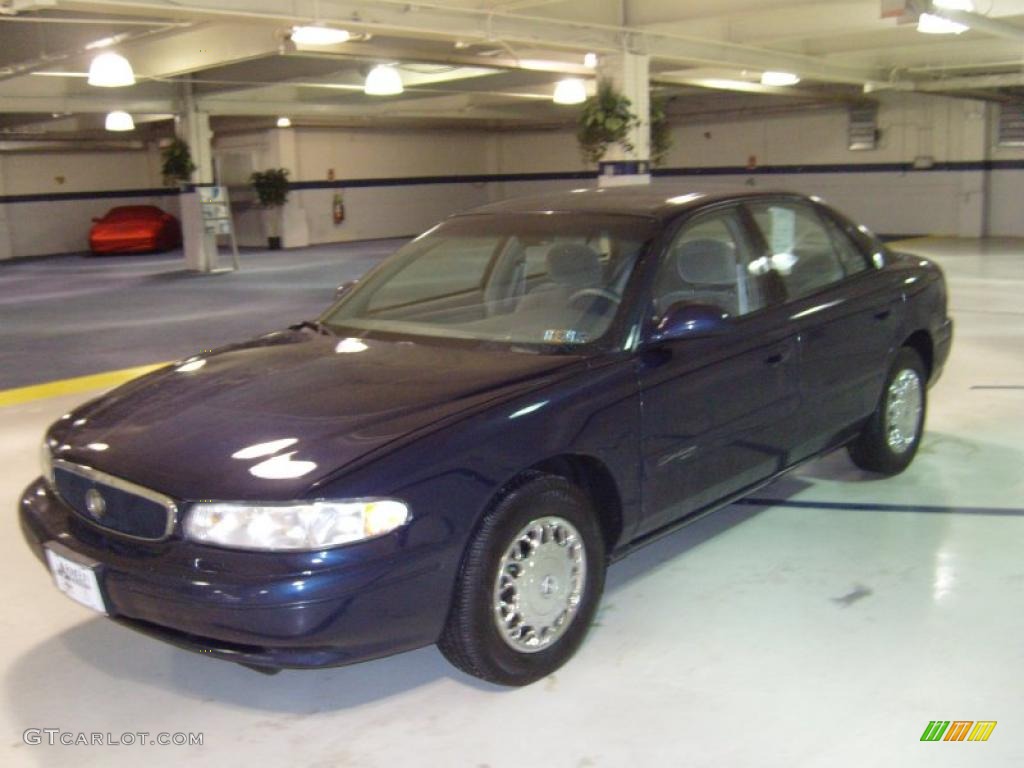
x=177 y=165
x=605 y=120
x=271 y=188
x=661 y=132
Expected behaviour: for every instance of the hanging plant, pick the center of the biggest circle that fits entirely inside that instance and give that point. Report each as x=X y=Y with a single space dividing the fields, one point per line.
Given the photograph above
x=605 y=120
x=661 y=131
x=271 y=186
x=177 y=165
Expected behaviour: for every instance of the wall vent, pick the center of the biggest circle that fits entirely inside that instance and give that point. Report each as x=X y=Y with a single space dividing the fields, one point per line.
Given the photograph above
x=864 y=131
x=1011 y=125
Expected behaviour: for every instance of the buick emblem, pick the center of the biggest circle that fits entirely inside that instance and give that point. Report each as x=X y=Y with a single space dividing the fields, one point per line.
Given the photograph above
x=95 y=503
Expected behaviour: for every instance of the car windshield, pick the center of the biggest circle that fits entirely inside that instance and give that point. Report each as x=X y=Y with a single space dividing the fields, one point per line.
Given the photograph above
x=547 y=279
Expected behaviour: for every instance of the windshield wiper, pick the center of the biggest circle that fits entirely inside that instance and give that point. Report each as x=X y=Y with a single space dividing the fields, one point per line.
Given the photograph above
x=314 y=325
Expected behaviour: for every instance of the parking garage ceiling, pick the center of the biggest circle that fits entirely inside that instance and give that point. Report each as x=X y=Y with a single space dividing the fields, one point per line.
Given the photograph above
x=489 y=63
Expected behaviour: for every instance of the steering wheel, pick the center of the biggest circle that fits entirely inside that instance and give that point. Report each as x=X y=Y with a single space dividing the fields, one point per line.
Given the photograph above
x=603 y=293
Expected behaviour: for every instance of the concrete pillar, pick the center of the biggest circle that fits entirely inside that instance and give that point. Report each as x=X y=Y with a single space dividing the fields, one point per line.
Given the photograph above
x=294 y=226
x=629 y=73
x=194 y=127
x=6 y=239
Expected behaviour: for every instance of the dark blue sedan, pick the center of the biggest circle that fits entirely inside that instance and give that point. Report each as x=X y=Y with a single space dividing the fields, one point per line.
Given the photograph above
x=458 y=447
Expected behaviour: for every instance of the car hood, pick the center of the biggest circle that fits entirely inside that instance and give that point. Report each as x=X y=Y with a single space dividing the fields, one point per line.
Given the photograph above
x=269 y=418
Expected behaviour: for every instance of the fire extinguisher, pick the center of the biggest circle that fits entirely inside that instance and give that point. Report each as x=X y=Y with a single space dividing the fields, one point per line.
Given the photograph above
x=338 y=208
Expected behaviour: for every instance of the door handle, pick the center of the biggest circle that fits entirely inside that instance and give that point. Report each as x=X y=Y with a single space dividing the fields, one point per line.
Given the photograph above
x=883 y=314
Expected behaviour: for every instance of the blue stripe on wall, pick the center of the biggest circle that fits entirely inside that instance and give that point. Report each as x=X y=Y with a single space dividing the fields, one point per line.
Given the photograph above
x=100 y=195
x=731 y=170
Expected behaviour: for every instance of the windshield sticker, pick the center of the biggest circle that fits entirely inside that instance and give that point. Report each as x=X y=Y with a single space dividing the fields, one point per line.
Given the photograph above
x=565 y=336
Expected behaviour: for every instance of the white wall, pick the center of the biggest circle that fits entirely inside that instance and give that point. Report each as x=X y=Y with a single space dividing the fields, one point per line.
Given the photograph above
x=62 y=226
x=940 y=202
x=801 y=151
x=34 y=173
x=371 y=212
x=912 y=125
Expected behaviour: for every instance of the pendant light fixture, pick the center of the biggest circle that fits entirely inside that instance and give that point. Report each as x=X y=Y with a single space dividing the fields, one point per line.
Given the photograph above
x=111 y=70
x=572 y=90
x=119 y=121
x=383 y=80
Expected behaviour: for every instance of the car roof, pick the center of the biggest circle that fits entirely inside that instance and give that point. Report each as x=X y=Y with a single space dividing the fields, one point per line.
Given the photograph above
x=659 y=202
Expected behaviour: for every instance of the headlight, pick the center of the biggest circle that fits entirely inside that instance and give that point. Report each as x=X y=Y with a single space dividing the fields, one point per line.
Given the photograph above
x=46 y=462
x=316 y=525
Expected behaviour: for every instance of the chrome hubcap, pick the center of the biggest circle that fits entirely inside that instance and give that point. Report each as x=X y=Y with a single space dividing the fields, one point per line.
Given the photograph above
x=903 y=404
x=539 y=584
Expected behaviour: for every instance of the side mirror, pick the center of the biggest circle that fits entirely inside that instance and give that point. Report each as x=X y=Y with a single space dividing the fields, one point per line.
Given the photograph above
x=686 y=320
x=344 y=288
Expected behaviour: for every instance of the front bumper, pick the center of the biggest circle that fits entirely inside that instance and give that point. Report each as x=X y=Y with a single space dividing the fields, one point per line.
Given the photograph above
x=268 y=610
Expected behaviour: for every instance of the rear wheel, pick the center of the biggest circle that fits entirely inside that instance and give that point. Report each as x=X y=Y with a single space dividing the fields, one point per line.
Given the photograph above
x=890 y=438
x=530 y=583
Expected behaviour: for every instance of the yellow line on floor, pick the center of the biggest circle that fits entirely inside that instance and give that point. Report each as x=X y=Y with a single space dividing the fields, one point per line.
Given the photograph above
x=72 y=386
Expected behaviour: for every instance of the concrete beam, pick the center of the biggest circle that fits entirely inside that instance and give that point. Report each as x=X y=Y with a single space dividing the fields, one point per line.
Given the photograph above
x=476 y=24
x=449 y=107
x=86 y=104
x=201 y=47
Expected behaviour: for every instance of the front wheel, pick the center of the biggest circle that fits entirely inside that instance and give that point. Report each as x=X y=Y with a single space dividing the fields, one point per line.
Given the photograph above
x=530 y=583
x=890 y=438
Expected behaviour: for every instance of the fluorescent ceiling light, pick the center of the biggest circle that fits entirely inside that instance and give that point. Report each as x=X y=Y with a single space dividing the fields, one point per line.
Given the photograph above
x=572 y=90
x=779 y=78
x=284 y=122
x=954 y=5
x=317 y=34
x=930 y=24
x=110 y=70
x=590 y=60
x=383 y=80
x=104 y=42
x=119 y=121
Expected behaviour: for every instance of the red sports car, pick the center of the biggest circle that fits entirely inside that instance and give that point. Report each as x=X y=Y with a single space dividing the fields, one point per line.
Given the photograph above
x=134 y=229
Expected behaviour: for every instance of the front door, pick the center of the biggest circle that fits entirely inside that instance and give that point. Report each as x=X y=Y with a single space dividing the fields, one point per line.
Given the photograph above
x=718 y=412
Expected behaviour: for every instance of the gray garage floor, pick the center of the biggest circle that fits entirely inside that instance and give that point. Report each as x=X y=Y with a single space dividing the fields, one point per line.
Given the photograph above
x=824 y=628
x=68 y=316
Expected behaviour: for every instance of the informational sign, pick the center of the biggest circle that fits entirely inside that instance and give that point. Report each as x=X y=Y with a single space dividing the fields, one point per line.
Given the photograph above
x=216 y=213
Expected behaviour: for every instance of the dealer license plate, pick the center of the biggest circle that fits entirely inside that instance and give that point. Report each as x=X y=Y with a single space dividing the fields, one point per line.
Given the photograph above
x=76 y=579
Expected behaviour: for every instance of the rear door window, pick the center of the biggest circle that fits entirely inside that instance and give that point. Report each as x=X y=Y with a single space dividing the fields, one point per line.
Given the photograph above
x=801 y=251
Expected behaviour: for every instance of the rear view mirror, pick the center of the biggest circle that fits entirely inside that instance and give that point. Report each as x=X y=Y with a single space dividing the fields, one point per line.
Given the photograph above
x=344 y=288
x=686 y=320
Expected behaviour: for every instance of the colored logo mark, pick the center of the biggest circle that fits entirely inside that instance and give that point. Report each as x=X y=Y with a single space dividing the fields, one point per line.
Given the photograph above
x=958 y=730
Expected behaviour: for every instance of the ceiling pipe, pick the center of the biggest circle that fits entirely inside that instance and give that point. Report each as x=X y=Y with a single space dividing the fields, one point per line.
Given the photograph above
x=85 y=21
x=981 y=23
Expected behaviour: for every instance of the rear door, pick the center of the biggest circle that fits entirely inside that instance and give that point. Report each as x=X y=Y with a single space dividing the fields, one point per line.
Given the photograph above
x=845 y=312
x=718 y=412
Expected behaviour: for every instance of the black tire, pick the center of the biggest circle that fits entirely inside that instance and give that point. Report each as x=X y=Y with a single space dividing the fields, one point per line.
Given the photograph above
x=872 y=450
x=471 y=639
